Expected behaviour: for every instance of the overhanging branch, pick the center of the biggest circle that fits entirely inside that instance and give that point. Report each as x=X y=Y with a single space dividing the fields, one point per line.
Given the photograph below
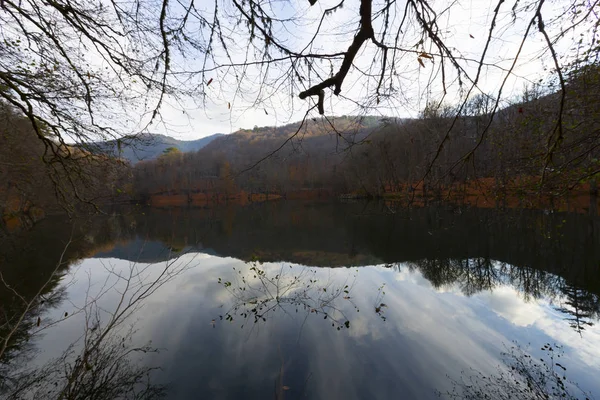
x=364 y=33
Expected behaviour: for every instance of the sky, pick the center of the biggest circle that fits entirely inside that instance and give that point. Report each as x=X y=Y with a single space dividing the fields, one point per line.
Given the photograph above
x=465 y=25
x=219 y=83
x=233 y=91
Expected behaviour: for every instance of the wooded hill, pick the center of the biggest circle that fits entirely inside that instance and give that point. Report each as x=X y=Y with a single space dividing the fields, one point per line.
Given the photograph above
x=296 y=156
x=35 y=181
x=541 y=142
x=513 y=154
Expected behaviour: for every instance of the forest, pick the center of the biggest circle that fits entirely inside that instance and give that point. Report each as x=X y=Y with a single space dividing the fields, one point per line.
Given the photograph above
x=506 y=155
x=405 y=110
x=39 y=178
x=489 y=159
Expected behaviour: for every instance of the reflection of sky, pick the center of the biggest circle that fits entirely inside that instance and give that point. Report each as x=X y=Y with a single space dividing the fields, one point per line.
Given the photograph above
x=427 y=335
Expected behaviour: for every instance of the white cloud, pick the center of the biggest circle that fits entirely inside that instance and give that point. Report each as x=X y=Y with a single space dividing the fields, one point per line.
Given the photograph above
x=508 y=303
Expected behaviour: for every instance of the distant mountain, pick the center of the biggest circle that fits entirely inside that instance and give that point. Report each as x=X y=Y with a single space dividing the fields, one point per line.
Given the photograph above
x=148 y=147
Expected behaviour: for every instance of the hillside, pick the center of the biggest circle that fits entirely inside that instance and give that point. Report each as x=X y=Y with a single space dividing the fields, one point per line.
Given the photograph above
x=503 y=156
x=149 y=147
x=33 y=184
x=314 y=137
x=294 y=156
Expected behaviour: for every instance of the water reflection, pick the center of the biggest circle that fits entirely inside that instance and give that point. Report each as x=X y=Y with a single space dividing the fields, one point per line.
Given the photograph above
x=95 y=357
x=259 y=293
x=238 y=304
x=520 y=377
x=104 y=369
x=472 y=276
x=580 y=306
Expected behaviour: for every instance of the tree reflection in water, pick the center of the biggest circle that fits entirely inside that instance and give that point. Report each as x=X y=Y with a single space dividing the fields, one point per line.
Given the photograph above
x=258 y=293
x=579 y=306
x=104 y=363
x=105 y=369
x=480 y=251
x=520 y=377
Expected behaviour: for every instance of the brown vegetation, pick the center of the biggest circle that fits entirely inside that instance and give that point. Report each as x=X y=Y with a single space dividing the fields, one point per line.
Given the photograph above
x=509 y=158
x=33 y=182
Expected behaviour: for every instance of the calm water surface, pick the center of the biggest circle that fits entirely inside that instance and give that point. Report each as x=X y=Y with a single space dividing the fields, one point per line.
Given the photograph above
x=304 y=300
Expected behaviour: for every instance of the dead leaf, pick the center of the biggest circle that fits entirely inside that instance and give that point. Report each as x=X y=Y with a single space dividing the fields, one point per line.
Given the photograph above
x=209 y=81
x=266 y=111
x=425 y=55
x=421 y=62
x=471 y=36
x=39 y=321
x=286 y=388
x=229 y=106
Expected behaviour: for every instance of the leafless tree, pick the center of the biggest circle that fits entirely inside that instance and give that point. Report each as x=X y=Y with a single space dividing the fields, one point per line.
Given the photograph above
x=102 y=363
x=84 y=71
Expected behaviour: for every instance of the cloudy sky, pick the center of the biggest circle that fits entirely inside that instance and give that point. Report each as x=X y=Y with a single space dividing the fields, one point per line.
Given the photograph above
x=251 y=68
x=428 y=333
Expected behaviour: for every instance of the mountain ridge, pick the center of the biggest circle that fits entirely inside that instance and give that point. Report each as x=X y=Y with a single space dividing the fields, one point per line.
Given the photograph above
x=149 y=146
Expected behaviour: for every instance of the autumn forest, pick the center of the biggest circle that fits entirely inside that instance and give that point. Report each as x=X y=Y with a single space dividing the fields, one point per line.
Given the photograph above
x=469 y=155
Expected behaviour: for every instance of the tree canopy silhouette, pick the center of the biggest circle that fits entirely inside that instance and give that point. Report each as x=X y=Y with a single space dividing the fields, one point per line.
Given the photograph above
x=84 y=71
x=77 y=69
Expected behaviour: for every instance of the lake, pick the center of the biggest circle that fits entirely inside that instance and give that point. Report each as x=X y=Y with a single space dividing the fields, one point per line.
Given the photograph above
x=303 y=300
